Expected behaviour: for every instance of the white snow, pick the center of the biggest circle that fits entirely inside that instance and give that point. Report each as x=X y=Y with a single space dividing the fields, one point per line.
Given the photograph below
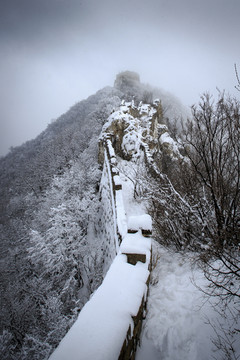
x=131 y=142
x=165 y=138
x=136 y=244
x=144 y=108
x=121 y=215
x=140 y=222
x=101 y=327
x=117 y=180
x=110 y=148
x=119 y=115
x=175 y=327
x=127 y=173
x=107 y=165
x=156 y=102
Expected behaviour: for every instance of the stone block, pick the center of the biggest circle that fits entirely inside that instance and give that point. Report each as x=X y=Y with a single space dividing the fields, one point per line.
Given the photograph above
x=134 y=258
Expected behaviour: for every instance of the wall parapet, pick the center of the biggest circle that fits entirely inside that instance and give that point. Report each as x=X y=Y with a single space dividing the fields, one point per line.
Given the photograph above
x=109 y=325
x=115 y=187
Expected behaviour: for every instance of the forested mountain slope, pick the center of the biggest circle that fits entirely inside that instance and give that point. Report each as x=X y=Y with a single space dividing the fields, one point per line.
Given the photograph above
x=48 y=189
x=52 y=257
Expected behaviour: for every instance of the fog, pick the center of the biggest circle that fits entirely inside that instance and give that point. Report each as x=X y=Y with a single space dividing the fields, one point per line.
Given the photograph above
x=54 y=53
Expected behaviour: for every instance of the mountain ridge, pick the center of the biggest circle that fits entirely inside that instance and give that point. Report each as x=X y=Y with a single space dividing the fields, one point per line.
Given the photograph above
x=49 y=191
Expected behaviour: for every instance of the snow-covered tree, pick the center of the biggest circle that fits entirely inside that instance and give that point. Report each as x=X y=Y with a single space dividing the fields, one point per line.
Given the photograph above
x=198 y=206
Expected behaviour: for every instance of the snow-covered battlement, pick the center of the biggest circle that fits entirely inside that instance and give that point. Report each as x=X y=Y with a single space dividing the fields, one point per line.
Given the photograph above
x=111 y=198
x=143 y=222
x=109 y=325
x=110 y=316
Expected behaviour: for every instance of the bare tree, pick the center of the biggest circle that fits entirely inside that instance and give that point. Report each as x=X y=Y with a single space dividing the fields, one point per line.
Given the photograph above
x=212 y=145
x=237 y=77
x=198 y=205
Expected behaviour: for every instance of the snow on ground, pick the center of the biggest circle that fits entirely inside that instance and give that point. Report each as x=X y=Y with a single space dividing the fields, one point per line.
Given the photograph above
x=102 y=325
x=175 y=327
x=127 y=171
x=176 y=324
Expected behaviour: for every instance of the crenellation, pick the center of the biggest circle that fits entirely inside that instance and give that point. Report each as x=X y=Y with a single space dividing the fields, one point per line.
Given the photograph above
x=127 y=245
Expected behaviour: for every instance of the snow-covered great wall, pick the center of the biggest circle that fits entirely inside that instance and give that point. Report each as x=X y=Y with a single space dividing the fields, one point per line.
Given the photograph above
x=109 y=325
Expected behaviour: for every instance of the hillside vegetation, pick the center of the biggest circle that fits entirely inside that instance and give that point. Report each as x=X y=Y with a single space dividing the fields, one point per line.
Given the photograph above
x=51 y=246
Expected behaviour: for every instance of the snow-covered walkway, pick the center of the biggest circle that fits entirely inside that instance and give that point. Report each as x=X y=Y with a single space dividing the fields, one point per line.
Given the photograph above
x=175 y=327
x=177 y=323
x=127 y=172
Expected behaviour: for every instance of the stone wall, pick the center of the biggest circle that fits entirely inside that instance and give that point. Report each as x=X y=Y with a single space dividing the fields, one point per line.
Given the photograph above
x=128 y=253
x=129 y=348
x=111 y=195
x=107 y=219
x=132 y=339
x=126 y=79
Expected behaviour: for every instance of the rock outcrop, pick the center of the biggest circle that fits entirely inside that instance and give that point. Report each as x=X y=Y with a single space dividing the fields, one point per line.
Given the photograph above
x=131 y=125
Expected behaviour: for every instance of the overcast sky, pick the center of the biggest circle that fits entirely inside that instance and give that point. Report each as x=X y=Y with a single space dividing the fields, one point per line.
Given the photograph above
x=54 y=53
